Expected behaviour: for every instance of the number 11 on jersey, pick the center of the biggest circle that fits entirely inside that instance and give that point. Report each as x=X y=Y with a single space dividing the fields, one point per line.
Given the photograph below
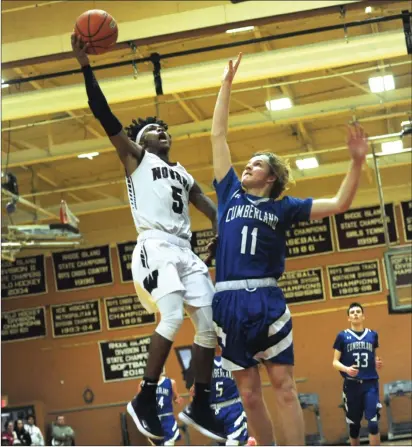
x=254 y=233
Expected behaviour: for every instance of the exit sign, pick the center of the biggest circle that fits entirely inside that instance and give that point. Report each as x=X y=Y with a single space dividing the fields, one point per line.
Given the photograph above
x=4 y=401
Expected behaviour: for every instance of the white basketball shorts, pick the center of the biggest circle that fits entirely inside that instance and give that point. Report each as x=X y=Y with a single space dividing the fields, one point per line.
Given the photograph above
x=163 y=263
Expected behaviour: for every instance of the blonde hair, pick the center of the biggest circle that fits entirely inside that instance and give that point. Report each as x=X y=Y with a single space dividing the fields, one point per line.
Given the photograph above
x=281 y=169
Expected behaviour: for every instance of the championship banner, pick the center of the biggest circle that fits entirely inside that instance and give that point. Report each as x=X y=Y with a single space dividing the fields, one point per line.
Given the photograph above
x=23 y=324
x=360 y=278
x=406 y=208
x=125 y=359
x=24 y=277
x=78 y=318
x=199 y=242
x=402 y=269
x=362 y=227
x=124 y=255
x=303 y=286
x=80 y=269
x=309 y=238
x=126 y=311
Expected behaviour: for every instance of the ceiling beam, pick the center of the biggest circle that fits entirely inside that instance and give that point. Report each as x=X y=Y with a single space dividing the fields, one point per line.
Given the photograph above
x=393 y=161
x=164 y=25
x=286 y=90
x=300 y=113
x=255 y=66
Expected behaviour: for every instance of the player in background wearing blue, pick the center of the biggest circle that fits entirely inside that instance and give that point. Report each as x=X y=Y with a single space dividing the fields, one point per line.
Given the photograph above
x=355 y=357
x=166 y=394
x=225 y=400
x=252 y=319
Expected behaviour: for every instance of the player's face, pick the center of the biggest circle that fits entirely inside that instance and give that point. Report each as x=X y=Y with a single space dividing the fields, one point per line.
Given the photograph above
x=356 y=315
x=157 y=139
x=257 y=173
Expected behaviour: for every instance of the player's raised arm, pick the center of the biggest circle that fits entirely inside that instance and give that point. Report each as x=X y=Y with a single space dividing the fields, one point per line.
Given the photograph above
x=221 y=153
x=129 y=152
x=358 y=147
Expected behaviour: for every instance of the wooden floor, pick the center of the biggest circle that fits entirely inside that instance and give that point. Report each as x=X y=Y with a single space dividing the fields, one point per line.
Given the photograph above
x=400 y=442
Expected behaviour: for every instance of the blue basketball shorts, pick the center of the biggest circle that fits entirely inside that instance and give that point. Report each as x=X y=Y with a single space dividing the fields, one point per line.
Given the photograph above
x=359 y=398
x=170 y=429
x=253 y=326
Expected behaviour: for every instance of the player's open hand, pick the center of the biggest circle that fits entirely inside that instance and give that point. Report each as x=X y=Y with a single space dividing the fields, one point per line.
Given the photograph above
x=192 y=391
x=178 y=400
x=230 y=70
x=211 y=251
x=352 y=371
x=357 y=141
x=378 y=363
x=79 y=49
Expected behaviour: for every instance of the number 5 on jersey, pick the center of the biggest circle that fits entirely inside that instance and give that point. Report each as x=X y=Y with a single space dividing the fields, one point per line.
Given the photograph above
x=177 y=206
x=243 y=247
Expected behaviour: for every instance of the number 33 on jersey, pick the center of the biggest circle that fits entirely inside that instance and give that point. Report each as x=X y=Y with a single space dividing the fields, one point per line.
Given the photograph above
x=358 y=348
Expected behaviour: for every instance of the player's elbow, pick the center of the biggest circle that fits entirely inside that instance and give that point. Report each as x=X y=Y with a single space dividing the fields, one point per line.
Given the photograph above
x=217 y=135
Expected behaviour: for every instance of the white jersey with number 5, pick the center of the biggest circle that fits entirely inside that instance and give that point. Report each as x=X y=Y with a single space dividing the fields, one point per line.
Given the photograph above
x=159 y=196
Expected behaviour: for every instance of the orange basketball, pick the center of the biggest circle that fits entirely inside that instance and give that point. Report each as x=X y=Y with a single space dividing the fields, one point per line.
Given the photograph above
x=98 y=28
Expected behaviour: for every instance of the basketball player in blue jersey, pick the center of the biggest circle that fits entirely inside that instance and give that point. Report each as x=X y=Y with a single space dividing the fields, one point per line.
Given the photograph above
x=225 y=400
x=249 y=309
x=166 y=394
x=355 y=357
x=167 y=275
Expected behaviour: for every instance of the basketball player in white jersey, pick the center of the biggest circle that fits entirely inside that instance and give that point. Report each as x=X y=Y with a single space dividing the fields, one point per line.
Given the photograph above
x=168 y=276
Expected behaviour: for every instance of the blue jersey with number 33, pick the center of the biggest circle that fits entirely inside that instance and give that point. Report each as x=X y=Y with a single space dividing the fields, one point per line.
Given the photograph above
x=252 y=239
x=358 y=348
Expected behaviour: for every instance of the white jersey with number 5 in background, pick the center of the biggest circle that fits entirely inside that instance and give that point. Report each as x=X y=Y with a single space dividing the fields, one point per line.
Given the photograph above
x=159 y=196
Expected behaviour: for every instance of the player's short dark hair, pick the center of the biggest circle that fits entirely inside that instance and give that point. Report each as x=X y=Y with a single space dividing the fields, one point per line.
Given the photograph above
x=354 y=305
x=138 y=125
x=281 y=168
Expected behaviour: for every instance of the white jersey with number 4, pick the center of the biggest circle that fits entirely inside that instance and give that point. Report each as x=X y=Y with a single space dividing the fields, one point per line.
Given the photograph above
x=159 y=196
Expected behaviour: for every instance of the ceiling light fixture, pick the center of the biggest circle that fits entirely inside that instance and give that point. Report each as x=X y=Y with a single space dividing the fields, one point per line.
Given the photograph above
x=279 y=104
x=392 y=147
x=379 y=84
x=240 y=30
x=307 y=163
x=89 y=155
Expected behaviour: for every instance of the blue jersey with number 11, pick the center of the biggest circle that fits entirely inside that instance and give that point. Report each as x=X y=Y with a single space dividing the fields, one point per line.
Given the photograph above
x=252 y=231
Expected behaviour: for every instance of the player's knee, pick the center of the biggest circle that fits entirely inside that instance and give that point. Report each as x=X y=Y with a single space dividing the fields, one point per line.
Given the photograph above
x=251 y=399
x=205 y=333
x=285 y=388
x=170 y=324
x=354 y=430
x=373 y=427
x=206 y=338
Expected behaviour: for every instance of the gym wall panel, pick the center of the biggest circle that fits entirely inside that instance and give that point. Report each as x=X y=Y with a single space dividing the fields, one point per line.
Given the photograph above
x=57 y=371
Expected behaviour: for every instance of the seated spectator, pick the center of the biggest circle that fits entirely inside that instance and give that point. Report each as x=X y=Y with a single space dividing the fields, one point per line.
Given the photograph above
x=22 y=434
x=34 y=432
x=62 y=434
x=8 y=436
